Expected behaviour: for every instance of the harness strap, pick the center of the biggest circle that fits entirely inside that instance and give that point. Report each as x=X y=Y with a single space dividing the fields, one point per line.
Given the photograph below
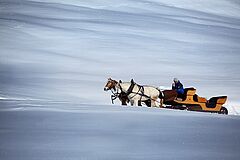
x=130 y=88
x=114 y=96
x=137 y=93
x=161 y=94
x=141 y=88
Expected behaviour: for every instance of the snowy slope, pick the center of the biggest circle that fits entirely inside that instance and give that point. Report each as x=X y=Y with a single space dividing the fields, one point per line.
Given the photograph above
x=66 y=131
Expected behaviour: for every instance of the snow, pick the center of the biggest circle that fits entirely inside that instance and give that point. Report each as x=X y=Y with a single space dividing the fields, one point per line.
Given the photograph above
x=56 y=56
x=78 y=131
x=53 y=49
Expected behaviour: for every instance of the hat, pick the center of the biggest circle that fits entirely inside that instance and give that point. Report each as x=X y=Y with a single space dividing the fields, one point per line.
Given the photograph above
x=175 y=79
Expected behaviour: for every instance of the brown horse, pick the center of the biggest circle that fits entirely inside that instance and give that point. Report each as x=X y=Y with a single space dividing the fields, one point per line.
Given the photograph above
x=122 y=96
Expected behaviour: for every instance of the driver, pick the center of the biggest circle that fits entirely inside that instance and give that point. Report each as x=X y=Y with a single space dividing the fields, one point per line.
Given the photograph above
x=177 y=86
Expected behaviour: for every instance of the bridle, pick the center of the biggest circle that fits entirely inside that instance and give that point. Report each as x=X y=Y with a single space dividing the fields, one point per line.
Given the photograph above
x=114 y=95
x=112 y=88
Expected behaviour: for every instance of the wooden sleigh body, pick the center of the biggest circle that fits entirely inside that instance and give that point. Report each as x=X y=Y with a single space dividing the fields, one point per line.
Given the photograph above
x=191 y=101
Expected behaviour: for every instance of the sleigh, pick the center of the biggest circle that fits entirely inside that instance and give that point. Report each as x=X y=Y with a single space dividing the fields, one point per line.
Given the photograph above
x=191 y=101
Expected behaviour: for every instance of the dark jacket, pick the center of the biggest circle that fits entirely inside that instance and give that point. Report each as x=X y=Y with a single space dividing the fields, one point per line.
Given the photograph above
x=178 y=87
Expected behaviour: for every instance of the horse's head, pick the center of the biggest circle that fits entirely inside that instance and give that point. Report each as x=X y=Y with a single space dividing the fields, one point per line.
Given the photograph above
x=111 y=84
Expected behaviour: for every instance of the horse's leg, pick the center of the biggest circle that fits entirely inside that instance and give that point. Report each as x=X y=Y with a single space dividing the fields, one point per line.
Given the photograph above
x=139 y=103
x=132 y=102
x=153 y=102
x=161 y=103
x=124 y=103
x=135 y=102
x=123 y=100
x=148 y=102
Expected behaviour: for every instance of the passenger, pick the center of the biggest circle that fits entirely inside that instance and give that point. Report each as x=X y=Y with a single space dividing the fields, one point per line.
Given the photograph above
x=177 y=85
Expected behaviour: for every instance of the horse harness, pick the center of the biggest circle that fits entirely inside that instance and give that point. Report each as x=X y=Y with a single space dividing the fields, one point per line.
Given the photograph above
x=130 y=90
x=126 y=94
x=139 y=92
x=114 y=96
x=119 y=95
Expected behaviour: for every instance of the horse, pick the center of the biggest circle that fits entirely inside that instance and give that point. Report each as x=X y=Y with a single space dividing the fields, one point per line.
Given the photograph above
x=137 y=93
x=111 y=85
x=122 y=96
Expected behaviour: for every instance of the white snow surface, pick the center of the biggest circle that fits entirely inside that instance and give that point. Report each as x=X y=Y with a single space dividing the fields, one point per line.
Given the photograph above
x=68 y=131
x=66 y=50
x=56 y=56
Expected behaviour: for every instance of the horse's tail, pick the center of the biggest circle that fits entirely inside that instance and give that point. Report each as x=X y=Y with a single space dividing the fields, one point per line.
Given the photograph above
x=161 y=95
